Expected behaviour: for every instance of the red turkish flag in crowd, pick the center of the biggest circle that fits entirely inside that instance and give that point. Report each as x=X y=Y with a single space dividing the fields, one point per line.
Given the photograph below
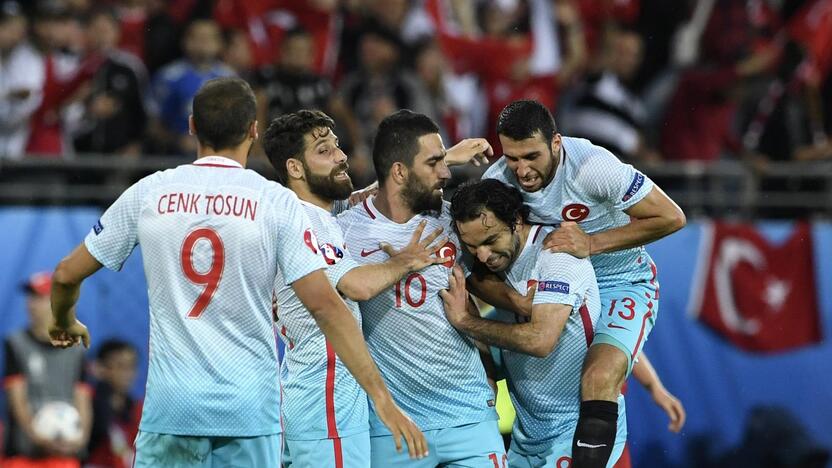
x=759 y=296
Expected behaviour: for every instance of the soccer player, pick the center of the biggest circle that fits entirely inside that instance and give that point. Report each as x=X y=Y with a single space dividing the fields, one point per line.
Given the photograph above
x=566 y=181
x=213 y=238
x=325 y=411
x=434 y=373
x=542 y=355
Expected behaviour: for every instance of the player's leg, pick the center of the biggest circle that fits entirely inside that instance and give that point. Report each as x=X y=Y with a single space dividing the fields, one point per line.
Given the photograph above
x=383 y=453
x=627 y=317
x=153 y=450
x=477 y=445
x=345 y=452
x=247 y=451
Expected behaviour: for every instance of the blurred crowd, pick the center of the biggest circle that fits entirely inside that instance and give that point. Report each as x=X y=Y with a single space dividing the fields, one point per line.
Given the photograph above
x=650 y=80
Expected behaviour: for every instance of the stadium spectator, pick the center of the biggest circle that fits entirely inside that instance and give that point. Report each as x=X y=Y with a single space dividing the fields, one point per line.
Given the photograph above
x=36 y=374
x=161 y=32
x=606 y=111
x=115 y=415
x=511 y=63
x=699 y=123
x=175 y=85
x=22 y=75
x=292 y=84
x=379 y=87
x=114 y=114
x=59 y=37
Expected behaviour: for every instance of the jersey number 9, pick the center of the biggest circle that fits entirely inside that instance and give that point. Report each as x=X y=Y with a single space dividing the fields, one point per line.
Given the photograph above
x=211 y=278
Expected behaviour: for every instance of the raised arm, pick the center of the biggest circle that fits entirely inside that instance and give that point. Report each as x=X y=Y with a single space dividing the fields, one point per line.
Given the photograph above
x=493 y=290
x=343 y=333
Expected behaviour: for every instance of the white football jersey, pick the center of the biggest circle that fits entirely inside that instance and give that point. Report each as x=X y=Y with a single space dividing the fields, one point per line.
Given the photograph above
x=434 y=373
x=213 y=236
x=321 y=398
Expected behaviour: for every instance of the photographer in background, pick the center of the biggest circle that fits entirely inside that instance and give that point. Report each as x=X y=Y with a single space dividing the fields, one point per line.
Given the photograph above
x=36 y=374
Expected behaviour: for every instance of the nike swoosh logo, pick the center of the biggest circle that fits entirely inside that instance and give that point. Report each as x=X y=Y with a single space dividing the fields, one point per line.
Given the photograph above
x=581 y=444
x=612 y=325
x=366 y=253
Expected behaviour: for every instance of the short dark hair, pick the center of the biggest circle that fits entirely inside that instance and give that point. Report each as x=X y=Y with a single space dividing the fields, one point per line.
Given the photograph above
x=112 y=346
x=472 y=198
x=284 y=137
x=397 y=140
x=522 y=119
x=224 y=109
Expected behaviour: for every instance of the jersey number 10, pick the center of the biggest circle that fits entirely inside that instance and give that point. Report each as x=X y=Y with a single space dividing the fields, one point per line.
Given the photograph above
x=211 y=278
x=408 y=287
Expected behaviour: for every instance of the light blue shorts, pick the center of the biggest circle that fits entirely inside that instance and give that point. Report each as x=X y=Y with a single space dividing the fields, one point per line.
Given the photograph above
x=155 y=450
x=557 y=453
x=628 y=313
x=477 y=445
x=345 y=452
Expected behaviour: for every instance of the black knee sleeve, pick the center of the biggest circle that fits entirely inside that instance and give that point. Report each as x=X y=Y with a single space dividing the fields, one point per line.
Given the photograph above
x=595 y=434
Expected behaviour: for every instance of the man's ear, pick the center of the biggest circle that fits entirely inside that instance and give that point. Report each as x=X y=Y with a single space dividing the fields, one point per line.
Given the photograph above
x=556 y=142
x=294 y=168
x=399 y=173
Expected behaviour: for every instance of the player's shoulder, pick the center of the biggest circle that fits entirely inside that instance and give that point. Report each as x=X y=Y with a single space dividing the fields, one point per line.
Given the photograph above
x=583 y=154
x=499 y=170
x=563 y=262
x=358 y=214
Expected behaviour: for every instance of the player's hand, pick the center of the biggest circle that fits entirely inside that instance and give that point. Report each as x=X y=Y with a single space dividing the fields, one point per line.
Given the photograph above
x=70 y=335
x=418 y=253
x=360 y=195
x=672 y=406
x=523 y=304
x=473 y=150
x=568 y=238
x=401 y=426
x=455 y=298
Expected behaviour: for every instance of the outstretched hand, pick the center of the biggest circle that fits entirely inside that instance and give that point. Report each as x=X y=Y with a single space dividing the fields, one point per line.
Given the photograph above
x=418 y=253
x=473 y=150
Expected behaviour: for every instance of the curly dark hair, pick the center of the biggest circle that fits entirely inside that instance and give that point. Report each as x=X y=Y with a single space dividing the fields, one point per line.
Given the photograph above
x=473 y=197
x=522 y=119
x=284 y=137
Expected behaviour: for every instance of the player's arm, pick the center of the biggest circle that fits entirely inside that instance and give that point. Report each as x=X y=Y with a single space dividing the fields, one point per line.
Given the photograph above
x=367 y=281
x=537 y=337
x=487 y=360
x=343 y=333
x=653 y=217
x=493 y=290
x=645 y=373
x=66 y=330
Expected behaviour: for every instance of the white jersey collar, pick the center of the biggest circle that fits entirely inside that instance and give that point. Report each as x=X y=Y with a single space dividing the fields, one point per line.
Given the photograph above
x=217 y=161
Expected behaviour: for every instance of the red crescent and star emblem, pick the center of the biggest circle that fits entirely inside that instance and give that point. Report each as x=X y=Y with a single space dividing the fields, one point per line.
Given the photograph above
x=574 y=212
x=448 y=250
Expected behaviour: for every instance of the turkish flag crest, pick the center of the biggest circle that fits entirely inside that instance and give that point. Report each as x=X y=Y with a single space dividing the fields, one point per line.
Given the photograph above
x=760 y=297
